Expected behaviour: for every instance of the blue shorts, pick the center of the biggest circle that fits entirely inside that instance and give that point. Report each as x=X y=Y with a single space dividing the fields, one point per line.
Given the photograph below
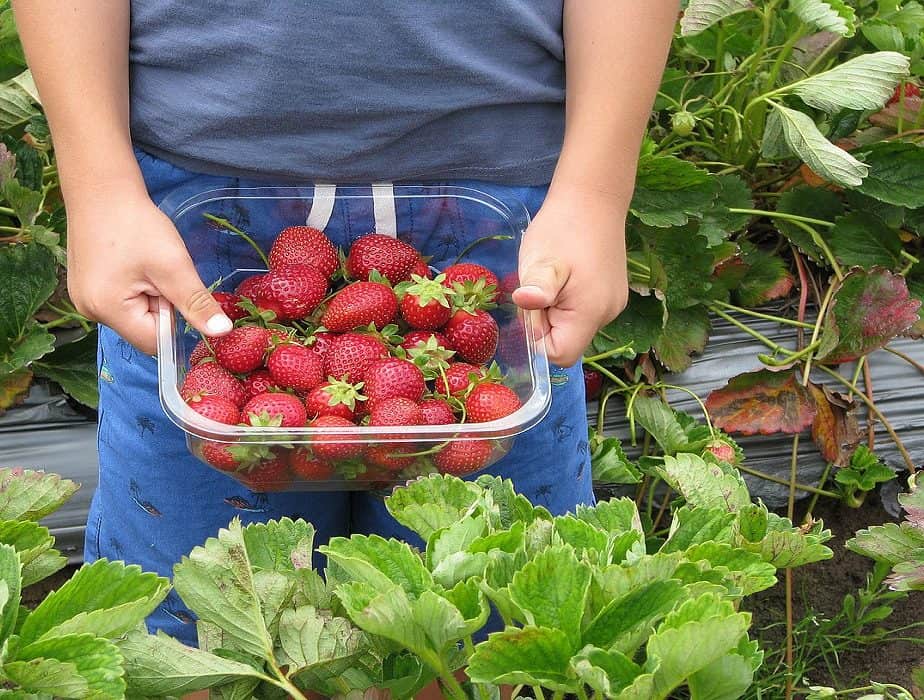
x=155 y=501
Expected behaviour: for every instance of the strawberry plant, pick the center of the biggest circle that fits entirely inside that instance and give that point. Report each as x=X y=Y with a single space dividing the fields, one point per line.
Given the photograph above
x=589 y=605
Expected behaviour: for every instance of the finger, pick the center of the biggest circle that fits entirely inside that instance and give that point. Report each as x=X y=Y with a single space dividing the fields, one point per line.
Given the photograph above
x=541 y=282
x=567 y=338
x=136 y=324
x=184 y=289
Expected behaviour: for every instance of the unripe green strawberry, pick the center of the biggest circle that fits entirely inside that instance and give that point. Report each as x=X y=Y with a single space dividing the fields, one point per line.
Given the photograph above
x=683 y=123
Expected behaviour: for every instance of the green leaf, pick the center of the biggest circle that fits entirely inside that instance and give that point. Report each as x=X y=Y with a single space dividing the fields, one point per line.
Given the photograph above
x=680 y=652
x=33 y=544
x=619 y=580
x=16 y=105
x=528 y=656
x=606 y=671
x=43 y=566
x=864 y=82
x=787 y=546
x=743 y=569
x=727 y=678
x=699 y=15
x=659 y=420
x=638 y=609
x=762 y=402
x=869 y=308
x=97 y=660
x=826 y=15
x=680 y=264
x=639 y=325
x=25 y=203
x=551 y=590
x=705 y=485
x=863 y=240
x=767 y=277
x=719 y=223
x=890 y=543
x=283 y=545
x=586 y=540
x=31 y=495
x=216 y=582
x=35 y=342
x=106 y=599
x=59 y=679
x=670 y=190
x=685 y=335
x=454 y=539
x=73 y=366
x=883 y=35
x=504 y=506
x=692 y=526
x=158 y=666
x=431 y=503
x=894 y=173
x=609 y=463
x=11 y=581
x=28 y=277
x=812 y=202
x=804 y=139
x=615 y=516
x=380 y=562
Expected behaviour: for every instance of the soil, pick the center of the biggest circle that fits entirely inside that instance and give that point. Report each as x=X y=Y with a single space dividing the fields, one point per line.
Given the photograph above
x=35 y=594
x=821 y=588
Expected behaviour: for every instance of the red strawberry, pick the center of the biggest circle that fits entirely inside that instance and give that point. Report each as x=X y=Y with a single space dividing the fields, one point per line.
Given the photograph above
x=269 y=475
x=432 y=358
x=250 y=286
x=421 y=269
x=320 y=343
x=211 y=378
x=391 y=377
x=275 y=409
x=336 y=449
x=425 y=304
x=397 y=410
x=295 y=366
x=593 y=383
x=242 y=350
x=413 y=339
x=472 y=278
x=333 y=398
x=231 y=457
x=351 y=354
x=359 y=304
x=228 y=303
x=911 y=90
x=393 y=259
x=303 y=245
x=217 y=408
x=436 y=412
x=722 y=451
x=389 y=457
x=305 y=465
x=489 y=402
x=473 y=335
x=258 y=382
x=463 y=456
x=458 y=379
x=201 y=352
x=291 y=292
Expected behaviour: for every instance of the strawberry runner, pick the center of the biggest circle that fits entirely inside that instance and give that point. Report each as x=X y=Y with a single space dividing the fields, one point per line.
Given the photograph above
x=156 y=501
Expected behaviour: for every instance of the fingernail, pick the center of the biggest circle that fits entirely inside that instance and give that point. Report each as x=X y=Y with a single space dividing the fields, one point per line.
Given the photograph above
x=532 y=288
x=218 y=324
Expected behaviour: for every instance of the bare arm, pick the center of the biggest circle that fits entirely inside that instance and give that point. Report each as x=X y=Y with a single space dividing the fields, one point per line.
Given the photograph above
x=573 y=258
x=122 y=251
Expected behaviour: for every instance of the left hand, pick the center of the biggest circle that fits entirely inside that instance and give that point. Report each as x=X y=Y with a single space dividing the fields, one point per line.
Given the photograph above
x=572 y=270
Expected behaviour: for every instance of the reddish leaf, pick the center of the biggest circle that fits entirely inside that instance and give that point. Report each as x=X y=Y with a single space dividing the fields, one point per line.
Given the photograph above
x=835 y=429
x=762 y=402
x=869 y=308
x=13 y=388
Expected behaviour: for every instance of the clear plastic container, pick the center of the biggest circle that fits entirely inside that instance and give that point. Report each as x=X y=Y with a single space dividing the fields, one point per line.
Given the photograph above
x=442 y=223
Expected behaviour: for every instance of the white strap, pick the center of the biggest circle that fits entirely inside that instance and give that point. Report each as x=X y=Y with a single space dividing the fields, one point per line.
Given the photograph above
x=383 y=205
x=322 y=206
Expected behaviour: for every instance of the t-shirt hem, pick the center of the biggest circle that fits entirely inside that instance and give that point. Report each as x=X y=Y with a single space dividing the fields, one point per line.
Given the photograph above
x=532 y=172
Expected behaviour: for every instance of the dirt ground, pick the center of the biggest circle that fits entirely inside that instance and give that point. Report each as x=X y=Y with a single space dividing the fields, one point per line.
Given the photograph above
x=821 y=587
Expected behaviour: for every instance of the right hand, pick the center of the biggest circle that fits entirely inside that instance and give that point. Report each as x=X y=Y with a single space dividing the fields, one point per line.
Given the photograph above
x=123 y=253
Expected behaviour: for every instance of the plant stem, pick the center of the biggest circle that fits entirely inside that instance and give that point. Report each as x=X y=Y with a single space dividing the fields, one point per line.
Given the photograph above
x=609 y=375
x=782 y=215
x=791 y=357
x=479 y=241
x=696 y=398
x=784 y=482
x=790 y=510
x=581 y=693
x=623 y=349
x=751 y=332
x=907 y=358
x=450 y=684
x=11 y=229
x=227 y=225
x=7 y=211
x=758 y=314
x=881 y=418
x=537 y=692
x=821 y=484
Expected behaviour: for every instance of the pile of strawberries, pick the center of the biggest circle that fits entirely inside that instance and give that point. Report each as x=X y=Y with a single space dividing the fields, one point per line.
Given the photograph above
x=327 y=341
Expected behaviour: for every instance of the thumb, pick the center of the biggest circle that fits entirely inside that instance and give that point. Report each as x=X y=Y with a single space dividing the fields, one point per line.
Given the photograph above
x=183 y=287
x=541 y=282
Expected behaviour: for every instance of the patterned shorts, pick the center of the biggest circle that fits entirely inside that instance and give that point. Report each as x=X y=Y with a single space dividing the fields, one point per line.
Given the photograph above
x=155 y=501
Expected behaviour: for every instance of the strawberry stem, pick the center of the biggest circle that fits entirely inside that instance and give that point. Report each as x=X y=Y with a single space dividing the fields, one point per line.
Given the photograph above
x=478 y=241
x=228 y=226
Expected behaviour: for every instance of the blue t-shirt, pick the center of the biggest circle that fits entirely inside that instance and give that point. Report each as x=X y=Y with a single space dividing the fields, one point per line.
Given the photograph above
x=351 y=90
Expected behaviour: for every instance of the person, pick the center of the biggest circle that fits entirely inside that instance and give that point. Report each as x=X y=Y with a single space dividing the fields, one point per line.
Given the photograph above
x=543 y=100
